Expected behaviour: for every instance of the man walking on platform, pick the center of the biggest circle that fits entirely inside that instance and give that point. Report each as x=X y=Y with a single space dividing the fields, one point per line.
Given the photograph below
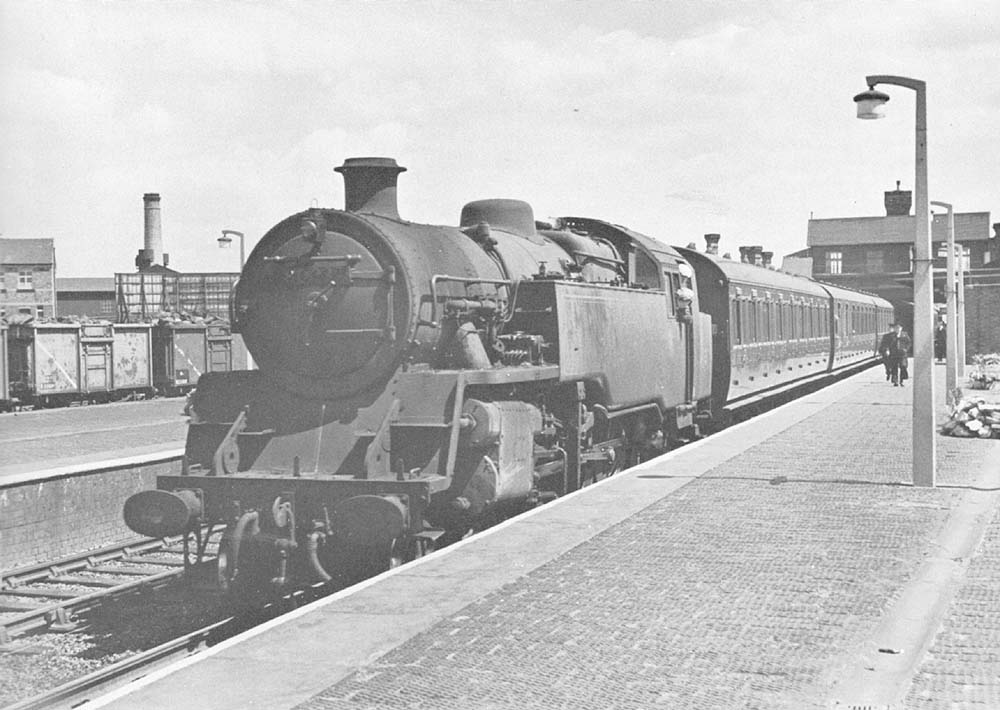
x=894 y=349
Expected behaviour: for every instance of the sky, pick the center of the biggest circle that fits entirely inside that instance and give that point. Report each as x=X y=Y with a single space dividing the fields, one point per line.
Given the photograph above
x=674 y=118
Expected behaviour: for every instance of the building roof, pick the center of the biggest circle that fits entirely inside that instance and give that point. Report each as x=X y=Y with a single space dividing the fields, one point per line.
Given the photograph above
x=157 y=269
x=90 y=284
x=846 y=231
x=27 y=251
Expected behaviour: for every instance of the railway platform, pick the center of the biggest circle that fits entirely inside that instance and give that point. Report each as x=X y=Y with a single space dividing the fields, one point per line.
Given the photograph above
x=786 y=562
x=65 y=474
x=47 y=439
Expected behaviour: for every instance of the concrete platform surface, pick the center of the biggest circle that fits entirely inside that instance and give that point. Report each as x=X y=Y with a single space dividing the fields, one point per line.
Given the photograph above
x=53 y=438
x=784 y=563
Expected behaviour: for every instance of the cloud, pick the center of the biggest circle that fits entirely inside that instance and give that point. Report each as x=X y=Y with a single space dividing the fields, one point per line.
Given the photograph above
x=676 y=118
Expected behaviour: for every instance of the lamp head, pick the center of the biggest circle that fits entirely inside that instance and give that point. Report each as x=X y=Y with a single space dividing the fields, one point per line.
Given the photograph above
x=225 y=241
x=870 y=103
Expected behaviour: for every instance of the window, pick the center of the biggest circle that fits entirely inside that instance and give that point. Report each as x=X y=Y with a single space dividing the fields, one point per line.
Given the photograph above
x=647 y=273
x=672 y=282
x=834 y=262
x=24 y=280
x=40 y=312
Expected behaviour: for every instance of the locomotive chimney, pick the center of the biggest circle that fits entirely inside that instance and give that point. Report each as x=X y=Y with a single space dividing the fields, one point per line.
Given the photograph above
x=712 y=243
x=152 y=233
x=370 y=185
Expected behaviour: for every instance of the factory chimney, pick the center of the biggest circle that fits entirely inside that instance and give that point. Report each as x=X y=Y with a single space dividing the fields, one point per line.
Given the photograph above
x=712 y=243
x=152 y=234
x=370 y=185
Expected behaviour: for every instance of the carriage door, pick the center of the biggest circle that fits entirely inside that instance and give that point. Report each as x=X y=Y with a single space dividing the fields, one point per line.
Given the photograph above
x=682 y=297
x=686 y=310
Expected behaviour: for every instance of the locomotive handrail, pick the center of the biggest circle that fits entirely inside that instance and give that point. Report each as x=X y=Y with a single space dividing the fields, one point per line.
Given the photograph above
x=458 y=279
x=351 y=259
x=596 y=257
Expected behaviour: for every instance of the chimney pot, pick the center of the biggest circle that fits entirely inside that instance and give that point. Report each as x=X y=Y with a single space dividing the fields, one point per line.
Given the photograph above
x=898 y=202
x=767 y=256
x=712 y=243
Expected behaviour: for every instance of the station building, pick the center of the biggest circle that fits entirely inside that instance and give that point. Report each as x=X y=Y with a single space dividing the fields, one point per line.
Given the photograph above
x=875 y=254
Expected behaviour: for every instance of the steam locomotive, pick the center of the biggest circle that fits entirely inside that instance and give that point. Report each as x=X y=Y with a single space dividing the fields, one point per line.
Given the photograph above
x=417 y=382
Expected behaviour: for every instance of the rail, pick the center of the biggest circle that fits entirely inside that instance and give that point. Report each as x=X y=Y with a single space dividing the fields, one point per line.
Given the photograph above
x=48 y=595
x=72 y=693
x=79 y=691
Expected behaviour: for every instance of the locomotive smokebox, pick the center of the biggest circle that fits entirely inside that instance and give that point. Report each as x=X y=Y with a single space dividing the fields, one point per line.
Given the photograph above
x=162 y=513
x=370 y=185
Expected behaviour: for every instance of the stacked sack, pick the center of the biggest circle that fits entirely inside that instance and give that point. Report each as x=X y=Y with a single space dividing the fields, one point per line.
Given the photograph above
x=974 y=417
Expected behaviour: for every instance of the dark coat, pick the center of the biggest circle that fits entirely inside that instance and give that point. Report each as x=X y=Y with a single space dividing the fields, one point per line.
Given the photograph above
x=892 y=345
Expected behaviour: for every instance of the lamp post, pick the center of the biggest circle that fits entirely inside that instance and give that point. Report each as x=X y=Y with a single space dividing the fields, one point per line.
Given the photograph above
x=951 y=361
x=226 y=241
x=960 y=322
x=924 y=435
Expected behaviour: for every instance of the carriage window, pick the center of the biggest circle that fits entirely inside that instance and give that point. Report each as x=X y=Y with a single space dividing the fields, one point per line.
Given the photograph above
x=737 y=322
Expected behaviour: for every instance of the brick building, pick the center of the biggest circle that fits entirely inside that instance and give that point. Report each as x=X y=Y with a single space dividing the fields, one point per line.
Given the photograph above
x=90 y=297
x=28 y=271
x=875 y=254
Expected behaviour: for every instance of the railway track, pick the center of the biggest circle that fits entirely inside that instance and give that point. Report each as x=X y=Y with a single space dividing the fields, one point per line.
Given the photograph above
x=79 y=691
x=50 y=596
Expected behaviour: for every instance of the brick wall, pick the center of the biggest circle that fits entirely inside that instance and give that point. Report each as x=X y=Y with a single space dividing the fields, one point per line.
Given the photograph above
x=41 y=294
x=46 y=519
x=982 y=319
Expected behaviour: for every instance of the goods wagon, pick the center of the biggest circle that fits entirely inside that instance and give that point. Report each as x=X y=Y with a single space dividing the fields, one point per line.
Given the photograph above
x=132 y=363
x=55 y=363
x=183 y=352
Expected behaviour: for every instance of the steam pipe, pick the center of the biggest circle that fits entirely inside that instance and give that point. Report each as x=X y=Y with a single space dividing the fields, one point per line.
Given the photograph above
x=312 y=550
